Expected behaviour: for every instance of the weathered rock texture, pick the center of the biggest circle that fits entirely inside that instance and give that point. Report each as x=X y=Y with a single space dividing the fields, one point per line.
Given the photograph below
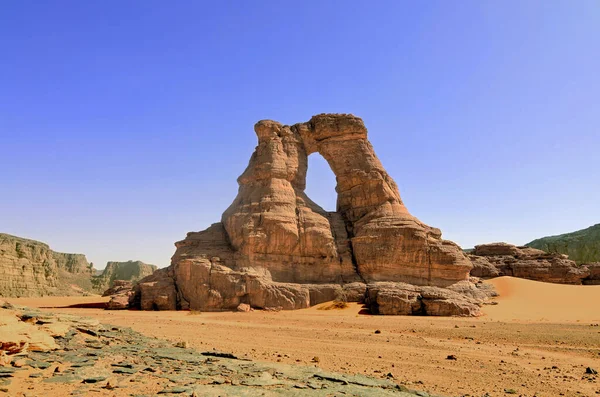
x=74 y=356
x=462 y=298
x=502 y=259
x=594 y=276
x=274 y=247
x=582 y=246
x=129 y=271
x=30 y=268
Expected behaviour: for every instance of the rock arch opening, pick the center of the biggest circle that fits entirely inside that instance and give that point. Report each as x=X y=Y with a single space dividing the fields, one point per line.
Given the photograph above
x=321 y=182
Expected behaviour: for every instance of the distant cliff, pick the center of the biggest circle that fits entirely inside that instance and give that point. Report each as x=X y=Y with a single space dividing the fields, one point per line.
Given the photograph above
x=582 y=246
x=29 y=268
x=130 y=270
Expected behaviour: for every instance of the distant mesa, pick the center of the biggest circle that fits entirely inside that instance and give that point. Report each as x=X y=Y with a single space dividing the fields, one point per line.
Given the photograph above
x=276 y=249
x=124 y=271
x=29 y=268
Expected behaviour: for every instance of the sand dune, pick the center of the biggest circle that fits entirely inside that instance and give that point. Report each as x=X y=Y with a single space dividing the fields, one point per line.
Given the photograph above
x=527 y=300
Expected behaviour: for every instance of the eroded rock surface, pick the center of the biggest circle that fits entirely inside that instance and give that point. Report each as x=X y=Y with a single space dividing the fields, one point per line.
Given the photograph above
x=594 y=277
x=502 y=259
x=44 y=352
x=30 y=268
x=275 y=248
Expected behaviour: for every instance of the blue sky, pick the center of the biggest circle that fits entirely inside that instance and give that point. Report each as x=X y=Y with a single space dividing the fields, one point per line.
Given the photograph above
x=124 y=124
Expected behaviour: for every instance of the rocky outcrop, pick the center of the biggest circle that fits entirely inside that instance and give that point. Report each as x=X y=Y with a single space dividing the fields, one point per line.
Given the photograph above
x=61 y=354
x=462 y=299
x=582 y=246
x=594 y=277
x=128 y=271
x=275 y=248
x=502 y=259
x=30 y=268
x=483 y=268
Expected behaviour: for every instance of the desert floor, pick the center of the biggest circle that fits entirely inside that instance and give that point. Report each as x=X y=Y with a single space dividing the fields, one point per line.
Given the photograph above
x=538 y=340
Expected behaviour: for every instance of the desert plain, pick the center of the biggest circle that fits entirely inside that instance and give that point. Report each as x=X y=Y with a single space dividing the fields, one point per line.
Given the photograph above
x=539 y=339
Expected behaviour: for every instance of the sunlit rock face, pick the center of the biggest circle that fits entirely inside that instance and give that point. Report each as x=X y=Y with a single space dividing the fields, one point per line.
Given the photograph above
x=275 y=248
x=30 y=268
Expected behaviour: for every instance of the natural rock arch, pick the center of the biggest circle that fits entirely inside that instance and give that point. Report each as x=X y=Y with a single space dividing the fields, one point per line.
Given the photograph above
x=272 y=216
x=274 y=247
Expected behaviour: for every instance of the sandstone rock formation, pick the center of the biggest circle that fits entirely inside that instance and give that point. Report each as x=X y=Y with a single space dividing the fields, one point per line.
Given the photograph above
x=274 y=247
x=502 y=259
x=31 y=268
x=463 y=299
x=594 y=276
x=129 y=271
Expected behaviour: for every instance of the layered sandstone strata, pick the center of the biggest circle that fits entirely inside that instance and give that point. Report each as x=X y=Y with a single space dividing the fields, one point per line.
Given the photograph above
x=274 y=247
x=502 y=259
x=30 y=268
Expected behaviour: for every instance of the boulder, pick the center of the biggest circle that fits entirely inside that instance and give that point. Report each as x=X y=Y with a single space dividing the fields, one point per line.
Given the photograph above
x=18 y=336
x=156 y=292
x=119 y=286
x=482 y=267
x=119 y=301
x=406 y=299
x=594 y=277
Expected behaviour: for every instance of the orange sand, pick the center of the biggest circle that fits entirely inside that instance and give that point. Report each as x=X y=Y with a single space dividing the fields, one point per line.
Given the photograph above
x=514 y=345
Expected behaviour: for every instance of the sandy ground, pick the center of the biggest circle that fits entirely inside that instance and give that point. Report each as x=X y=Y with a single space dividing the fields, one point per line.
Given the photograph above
x=538 y=340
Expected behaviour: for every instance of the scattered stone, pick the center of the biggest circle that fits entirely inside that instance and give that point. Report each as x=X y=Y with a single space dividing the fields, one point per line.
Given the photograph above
x=94 y=379
x=63 y=379
x=125 y=371
x=109 y=386
x=39 y=364
x=451 y=357
x=122 y=365
x=175 y=390
x=590 y=370
x=219 y=354
x=377 y=331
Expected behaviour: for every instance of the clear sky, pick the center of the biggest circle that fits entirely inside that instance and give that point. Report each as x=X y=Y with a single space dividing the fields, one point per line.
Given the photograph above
x=124 y=124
